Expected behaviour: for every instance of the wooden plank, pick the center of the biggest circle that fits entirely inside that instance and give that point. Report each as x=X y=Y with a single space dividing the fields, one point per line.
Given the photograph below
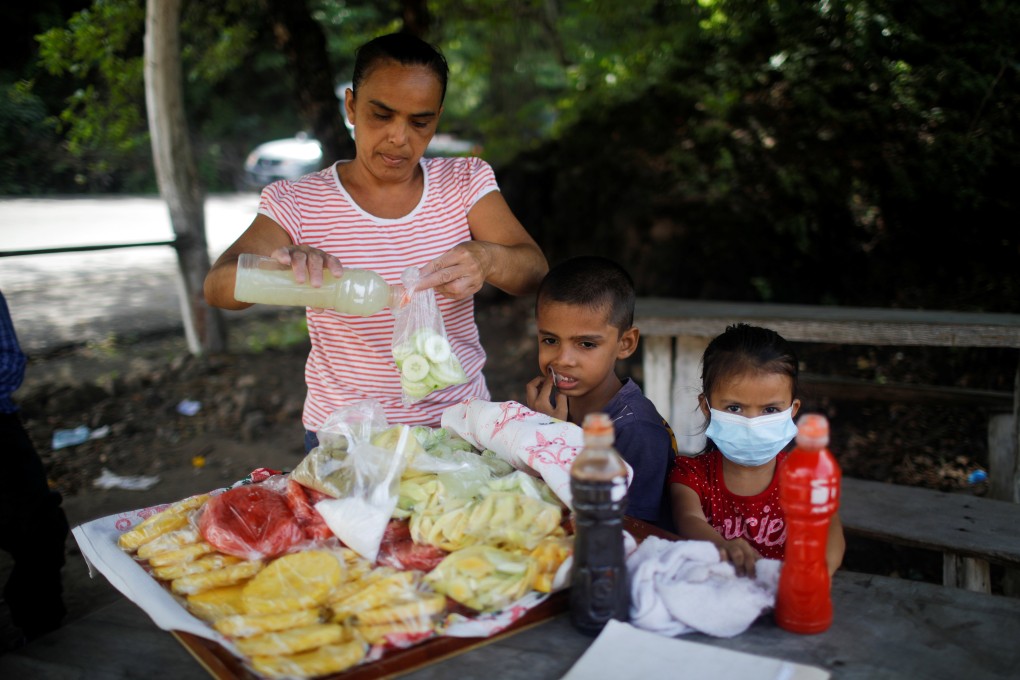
x=657 y=365
x=966 y=572
x=842 y=325
x=882 y=628
x=1002 y=458
x=686 y=419
x=970 y=526
x=815 y=385
x=896 y=629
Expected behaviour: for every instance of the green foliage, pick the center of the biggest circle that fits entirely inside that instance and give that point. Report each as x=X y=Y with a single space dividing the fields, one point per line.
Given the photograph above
x=104 y=119
x=803 y=152
x=237 y=93
x=278 y=334
x=29 y=152
x=525 y=70
x=789 y=151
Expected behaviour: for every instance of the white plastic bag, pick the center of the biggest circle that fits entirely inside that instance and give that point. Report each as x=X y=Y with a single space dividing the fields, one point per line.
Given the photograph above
x=374 y=470
x=420 y=347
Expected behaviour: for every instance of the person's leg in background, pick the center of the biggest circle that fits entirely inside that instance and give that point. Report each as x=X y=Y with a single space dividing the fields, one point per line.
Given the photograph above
x=33 y=530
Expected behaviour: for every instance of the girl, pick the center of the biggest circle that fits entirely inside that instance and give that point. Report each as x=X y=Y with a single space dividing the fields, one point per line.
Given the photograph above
x=729 y=493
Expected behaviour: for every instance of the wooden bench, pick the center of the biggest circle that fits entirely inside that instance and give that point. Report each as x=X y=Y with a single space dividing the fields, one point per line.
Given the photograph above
x=675 y=333
x=969 y=531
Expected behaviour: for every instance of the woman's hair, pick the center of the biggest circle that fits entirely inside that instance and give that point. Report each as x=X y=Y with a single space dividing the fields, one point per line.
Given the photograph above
x=404 y=49
x=747 y=349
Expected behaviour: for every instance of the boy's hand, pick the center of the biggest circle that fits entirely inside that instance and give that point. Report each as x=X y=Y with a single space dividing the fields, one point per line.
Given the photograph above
x=741 y=555
x=542 y=399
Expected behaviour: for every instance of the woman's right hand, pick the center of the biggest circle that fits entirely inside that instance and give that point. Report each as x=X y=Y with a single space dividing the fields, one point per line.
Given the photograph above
x=308 y=263
x=741 y=555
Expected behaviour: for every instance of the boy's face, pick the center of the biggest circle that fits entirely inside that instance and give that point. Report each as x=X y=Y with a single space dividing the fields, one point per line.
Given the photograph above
x=581 y=347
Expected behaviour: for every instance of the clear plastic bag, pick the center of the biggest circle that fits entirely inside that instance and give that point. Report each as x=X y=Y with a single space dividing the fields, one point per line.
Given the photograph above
x=421 y=348
x=372 y=472
x=358 y=464
x=326 y=468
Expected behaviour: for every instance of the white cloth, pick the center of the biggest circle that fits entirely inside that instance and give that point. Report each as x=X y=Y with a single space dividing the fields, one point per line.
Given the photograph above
x=679 y=587
x=530 y=441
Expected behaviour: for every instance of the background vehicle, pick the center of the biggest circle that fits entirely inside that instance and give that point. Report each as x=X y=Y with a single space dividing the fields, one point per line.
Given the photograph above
x=282 y=159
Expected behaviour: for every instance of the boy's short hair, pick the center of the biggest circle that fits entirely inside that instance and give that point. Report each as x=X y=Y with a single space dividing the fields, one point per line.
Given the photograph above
x=594 y=282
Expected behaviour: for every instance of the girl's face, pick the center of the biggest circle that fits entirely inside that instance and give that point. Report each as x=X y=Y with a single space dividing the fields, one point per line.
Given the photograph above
x=394 y=116
x=751 y=395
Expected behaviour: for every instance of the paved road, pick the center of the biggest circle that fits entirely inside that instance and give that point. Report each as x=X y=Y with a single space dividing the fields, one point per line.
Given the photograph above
x=70 y=298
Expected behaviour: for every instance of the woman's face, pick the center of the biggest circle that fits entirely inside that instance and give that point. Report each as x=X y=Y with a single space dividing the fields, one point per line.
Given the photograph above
x=394 y=116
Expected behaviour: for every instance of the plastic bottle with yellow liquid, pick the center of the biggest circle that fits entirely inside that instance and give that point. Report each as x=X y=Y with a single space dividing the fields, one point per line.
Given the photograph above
x=360 y=292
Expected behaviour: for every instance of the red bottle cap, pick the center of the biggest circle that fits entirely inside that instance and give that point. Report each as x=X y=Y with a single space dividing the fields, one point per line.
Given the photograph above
x=812 y=431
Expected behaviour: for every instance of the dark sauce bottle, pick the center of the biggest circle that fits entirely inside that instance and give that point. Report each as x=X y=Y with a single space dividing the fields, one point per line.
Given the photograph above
x=598 y=486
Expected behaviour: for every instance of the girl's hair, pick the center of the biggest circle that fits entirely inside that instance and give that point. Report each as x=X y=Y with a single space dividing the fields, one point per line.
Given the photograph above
x=747 y=349
x=404 y=49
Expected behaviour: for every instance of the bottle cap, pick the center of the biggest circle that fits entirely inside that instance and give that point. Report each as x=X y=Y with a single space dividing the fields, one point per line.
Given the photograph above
x=813 y=431
x=598 y=424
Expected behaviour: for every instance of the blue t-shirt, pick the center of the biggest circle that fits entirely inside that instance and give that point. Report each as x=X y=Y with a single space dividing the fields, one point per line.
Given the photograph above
x=646 y=442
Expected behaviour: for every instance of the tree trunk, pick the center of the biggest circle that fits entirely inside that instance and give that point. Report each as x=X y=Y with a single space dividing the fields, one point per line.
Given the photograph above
x=300 y=38
x=176 y=173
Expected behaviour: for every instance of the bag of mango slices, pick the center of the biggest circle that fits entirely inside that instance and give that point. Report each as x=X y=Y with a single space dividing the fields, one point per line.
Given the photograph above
x=421 y=350
x=483 y=578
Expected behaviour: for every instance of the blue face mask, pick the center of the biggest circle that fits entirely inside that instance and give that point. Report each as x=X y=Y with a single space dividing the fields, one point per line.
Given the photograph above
x=751 y=441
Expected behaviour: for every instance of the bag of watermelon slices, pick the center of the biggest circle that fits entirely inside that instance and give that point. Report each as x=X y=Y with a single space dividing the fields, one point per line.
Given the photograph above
x=421 y=350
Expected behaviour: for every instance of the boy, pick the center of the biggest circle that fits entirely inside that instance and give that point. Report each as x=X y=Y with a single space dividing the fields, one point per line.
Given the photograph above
x=584 y=313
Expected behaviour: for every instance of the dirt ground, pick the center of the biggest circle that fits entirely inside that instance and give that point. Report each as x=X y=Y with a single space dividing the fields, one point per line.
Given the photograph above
x=131 y=394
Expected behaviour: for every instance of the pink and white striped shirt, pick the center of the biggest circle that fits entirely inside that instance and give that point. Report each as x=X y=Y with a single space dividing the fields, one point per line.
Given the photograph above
x=351 y=356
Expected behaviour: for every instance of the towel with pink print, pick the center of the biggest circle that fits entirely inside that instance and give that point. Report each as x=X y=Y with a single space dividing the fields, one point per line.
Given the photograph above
x=530 y=441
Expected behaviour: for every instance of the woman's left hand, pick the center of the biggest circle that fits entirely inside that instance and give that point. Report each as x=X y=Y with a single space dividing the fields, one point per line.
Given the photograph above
x=458 y=273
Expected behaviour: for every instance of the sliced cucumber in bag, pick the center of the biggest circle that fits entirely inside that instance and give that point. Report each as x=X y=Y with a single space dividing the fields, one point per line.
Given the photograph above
x=426 y=363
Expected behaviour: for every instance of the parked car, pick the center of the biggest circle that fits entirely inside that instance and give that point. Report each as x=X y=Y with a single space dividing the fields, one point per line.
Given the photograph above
x=299 y=155
x=283 y=159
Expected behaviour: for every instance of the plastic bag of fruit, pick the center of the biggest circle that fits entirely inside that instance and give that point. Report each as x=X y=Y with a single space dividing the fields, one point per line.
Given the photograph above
x=421 y=350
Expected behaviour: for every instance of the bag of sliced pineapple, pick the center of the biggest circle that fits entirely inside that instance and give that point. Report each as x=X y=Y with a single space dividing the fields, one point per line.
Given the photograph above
x=421 y=349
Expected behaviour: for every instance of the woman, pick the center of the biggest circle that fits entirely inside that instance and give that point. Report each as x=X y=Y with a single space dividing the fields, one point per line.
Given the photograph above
x=388 y=209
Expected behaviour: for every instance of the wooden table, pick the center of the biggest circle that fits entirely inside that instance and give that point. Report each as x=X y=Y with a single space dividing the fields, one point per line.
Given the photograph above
x=884 y=628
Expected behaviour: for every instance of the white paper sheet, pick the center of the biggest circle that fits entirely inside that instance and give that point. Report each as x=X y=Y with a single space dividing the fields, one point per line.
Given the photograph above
x=649 y=655
x=98 y=542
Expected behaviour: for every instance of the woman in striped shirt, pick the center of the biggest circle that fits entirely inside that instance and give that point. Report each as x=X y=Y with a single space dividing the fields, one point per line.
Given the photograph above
x=387 y=209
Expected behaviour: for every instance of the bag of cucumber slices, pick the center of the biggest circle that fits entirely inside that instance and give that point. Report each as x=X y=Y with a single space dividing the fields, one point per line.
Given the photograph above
x=421 y=349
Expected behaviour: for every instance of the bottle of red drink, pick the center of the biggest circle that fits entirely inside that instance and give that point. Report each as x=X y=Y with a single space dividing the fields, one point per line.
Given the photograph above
x=809 y=494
